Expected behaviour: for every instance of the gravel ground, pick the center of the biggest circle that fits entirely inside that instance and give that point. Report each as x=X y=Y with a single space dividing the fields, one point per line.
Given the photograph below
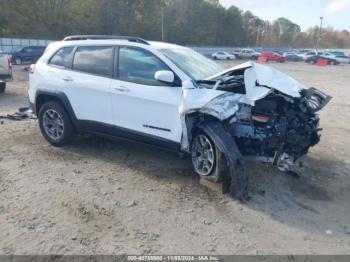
x=102 y=197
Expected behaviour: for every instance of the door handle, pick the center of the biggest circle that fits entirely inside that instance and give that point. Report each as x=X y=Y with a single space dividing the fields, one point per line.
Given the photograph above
x=68 y=79
x=122 y=89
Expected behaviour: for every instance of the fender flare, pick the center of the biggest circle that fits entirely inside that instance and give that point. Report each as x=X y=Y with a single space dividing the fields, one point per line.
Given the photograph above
x=237 y=179
x=61 y=97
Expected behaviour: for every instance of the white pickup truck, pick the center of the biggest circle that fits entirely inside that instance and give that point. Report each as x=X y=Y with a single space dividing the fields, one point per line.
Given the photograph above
x=5 y=71
x=246 y=54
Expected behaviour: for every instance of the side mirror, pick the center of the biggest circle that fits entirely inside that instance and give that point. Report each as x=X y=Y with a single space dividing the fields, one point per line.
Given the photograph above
x=165 y=76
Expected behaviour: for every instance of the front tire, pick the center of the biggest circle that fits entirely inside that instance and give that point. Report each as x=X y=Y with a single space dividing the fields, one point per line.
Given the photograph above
x=55 y=124
x=227 y=166
x=2 y=87
x=203 y=154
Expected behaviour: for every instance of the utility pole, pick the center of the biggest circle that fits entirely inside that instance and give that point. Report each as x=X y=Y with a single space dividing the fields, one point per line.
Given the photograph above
x=257 y=37
x=280 y=33
x=319 y=33
x=162 y=23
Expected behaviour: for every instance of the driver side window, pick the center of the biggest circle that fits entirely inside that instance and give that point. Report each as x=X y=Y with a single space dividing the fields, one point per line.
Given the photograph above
x=139 y=66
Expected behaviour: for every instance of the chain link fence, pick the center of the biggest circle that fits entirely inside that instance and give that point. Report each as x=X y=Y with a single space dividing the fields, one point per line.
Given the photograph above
x=12 y=44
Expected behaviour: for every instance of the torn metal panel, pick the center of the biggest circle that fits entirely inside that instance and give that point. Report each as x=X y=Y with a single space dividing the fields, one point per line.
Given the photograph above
x=259 y=79
x=222 y=107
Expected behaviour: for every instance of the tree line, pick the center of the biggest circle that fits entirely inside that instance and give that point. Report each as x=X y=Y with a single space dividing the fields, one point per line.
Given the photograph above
x=186 y=22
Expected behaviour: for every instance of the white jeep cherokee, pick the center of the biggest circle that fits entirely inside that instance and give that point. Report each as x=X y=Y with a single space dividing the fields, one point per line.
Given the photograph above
x=171 y=97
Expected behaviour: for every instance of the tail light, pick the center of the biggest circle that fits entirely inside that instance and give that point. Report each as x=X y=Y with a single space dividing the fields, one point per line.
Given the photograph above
x=9 y=62
x=261 y=118
x=31 y=69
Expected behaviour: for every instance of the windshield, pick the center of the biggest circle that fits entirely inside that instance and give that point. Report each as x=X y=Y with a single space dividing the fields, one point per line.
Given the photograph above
x=192 y=63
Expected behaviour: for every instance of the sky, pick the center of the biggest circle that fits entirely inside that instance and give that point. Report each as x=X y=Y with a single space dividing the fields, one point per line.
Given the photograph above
x=306 y=13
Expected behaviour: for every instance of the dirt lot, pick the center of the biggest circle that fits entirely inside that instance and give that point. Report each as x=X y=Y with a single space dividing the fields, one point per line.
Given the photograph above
x=102 y=197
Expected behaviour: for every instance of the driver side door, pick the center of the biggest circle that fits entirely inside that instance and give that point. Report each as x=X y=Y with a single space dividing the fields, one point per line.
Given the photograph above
x=143 y=106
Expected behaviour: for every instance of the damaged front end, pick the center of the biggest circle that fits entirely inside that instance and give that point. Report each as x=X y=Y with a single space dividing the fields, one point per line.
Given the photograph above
x=271 y=116
x=277 y=119
x=278 y=129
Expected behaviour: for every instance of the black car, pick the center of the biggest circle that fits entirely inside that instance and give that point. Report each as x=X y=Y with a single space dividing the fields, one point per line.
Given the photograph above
x=313 y=60
x=28 y=54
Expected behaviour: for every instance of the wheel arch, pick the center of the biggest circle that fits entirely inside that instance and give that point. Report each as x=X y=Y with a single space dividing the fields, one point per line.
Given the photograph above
x=45 y=96
x=191 y=124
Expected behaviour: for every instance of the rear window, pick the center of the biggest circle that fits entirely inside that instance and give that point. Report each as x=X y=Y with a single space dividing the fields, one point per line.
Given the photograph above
x=61 y=58
x=93 y=60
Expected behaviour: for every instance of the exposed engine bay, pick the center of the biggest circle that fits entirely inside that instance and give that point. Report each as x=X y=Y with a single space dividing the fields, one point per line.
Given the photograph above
x=278 y=128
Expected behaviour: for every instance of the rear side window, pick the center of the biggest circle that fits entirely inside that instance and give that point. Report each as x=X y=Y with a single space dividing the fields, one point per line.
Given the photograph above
x=95 y=60
x=61 y=58
x=139 y=66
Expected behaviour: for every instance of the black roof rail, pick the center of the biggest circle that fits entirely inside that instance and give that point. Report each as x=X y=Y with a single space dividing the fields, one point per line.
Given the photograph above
x=102 y=37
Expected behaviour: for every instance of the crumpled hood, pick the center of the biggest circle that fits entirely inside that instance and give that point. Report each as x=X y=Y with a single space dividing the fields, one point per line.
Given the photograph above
x=260 y=80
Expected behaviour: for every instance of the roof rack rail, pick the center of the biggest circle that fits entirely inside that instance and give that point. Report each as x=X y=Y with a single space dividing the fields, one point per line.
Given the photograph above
x=102 y=37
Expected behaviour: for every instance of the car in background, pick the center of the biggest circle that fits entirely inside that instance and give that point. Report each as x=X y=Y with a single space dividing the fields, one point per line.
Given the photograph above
x=5 y=71
x=303 y=51
x=313 y=60
x=340 y=58
x=306 y=55
x=247 y=54
x=290 y=56
x=272 y=56
x=222 y=55
x=339 y=53
x=28 y=54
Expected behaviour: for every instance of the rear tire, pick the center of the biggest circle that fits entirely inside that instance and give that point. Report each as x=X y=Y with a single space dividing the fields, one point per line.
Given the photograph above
x=55 y=124
x=2 y=87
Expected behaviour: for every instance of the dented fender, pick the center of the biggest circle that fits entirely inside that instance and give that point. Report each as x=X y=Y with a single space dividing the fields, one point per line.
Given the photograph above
x=218 y=104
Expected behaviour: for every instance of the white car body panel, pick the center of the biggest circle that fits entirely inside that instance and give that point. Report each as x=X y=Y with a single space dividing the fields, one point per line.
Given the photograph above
x=89 y=95
x=147 y=109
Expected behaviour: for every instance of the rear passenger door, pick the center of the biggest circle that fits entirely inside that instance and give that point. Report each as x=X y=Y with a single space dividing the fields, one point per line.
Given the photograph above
x=87 y=85
x=142 y=104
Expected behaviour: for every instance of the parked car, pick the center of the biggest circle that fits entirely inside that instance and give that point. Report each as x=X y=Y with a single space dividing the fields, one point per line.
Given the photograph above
x=315 y=58
x=309 y=54
x=289 y=56
x=171 y=97
x=247 y=54
x=271 y=56
x=340 y=53
x=5 y=71
x=340 y=58
x=221 y=55
x=28 y=54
